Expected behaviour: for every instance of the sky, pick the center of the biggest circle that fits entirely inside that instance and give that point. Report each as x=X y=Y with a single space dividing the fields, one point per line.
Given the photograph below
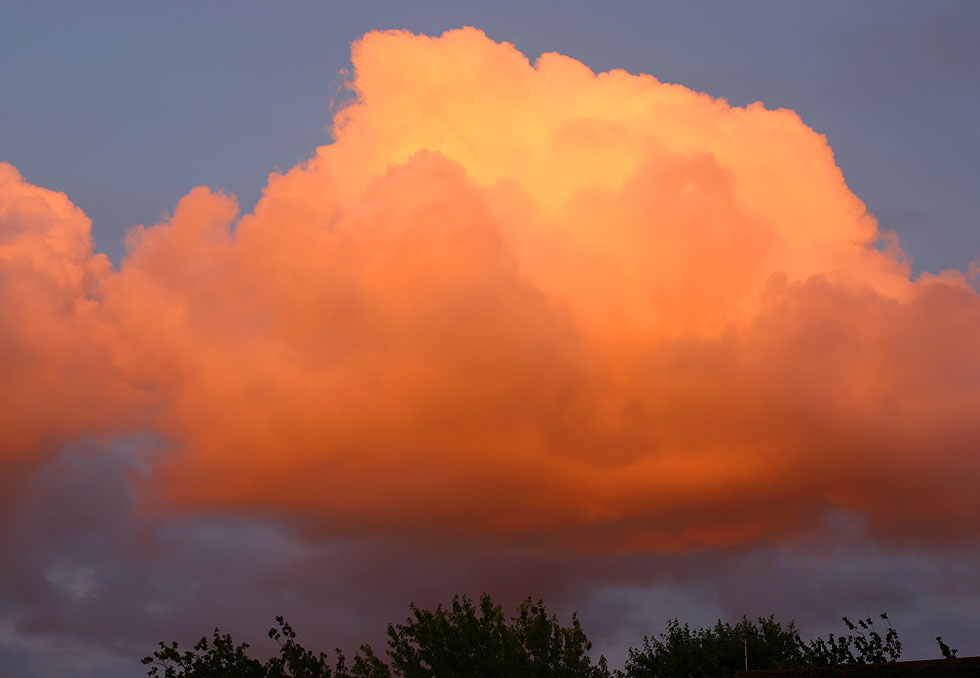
x=654 y=310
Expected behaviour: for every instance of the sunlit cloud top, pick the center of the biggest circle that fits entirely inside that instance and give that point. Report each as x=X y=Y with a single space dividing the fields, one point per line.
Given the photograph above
x=518 y=302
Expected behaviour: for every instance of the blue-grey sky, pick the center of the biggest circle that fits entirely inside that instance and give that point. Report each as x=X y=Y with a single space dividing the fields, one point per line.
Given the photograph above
x=126 y=106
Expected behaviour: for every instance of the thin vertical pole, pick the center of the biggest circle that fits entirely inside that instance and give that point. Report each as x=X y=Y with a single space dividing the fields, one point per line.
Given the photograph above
x=746 y=654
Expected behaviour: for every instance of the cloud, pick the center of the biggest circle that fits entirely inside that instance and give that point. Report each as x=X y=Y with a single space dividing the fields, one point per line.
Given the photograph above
x=147 y=578
x=55 y=348
x=513 y=304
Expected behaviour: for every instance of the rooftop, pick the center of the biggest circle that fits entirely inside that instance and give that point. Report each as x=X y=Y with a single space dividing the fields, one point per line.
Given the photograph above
x=962 y=666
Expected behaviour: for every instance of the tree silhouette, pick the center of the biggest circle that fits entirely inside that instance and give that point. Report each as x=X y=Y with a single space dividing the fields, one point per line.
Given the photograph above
x=947 y=651
x=221 y=658
x=682 y=652
x=465 y=640
x=459 y=641
x=474 y=640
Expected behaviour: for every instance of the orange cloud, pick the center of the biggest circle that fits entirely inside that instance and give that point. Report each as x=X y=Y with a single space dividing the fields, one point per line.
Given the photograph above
x=56 y=375
x=522 y=302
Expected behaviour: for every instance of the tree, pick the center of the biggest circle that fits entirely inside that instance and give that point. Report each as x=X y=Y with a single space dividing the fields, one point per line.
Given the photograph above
x=947 y=651
x=464 y=640
x=681 y=652
x=469 y=640
x=221 y=658
x=459 y=641
x=856 y=647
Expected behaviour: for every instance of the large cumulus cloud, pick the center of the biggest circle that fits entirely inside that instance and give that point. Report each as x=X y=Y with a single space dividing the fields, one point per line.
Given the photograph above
x=522 y=304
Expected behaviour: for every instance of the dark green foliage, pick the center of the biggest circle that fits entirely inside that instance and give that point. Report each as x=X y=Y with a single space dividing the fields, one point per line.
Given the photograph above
x=948 y=652
x=719 y=650
x=465 y=640
x=221 y=658
x=681 y=652
x=453 y=642
x=863 y=645
x=470 y=640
